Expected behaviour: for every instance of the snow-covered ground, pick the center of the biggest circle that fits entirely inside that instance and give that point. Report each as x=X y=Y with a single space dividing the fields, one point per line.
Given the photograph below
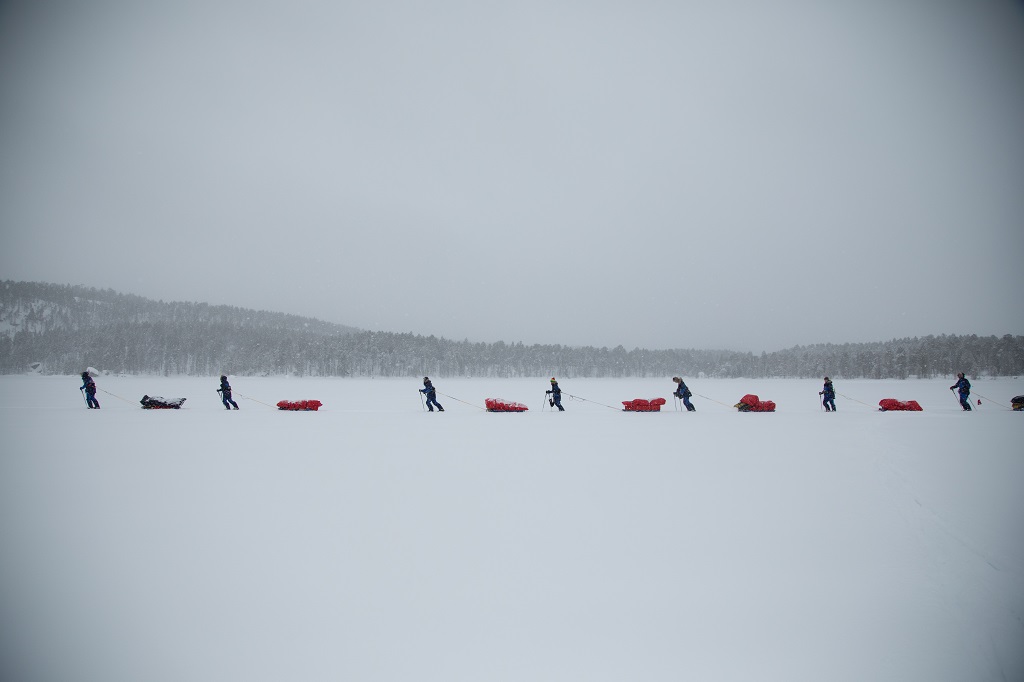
x=374 y=541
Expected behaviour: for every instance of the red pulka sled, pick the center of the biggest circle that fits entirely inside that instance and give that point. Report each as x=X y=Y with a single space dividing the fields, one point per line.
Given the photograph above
x=893 y=405
x=642 y=405
x=299 y=405
x=502 y=405
x=751 y=403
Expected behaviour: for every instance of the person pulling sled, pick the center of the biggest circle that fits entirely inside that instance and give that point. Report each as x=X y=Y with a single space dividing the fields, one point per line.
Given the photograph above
x=683 y=393
x=89 y=386
x=225 y=394
x=963 y=387
x=431 y=393
x=556 y=396
x=828 y=393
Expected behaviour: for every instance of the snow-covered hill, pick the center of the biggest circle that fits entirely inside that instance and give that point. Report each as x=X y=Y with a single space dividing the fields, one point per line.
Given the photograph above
x=40 y=307
x=374 y=541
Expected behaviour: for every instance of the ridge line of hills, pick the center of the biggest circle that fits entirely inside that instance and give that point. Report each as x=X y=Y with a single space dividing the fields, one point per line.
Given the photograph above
x=61 y=329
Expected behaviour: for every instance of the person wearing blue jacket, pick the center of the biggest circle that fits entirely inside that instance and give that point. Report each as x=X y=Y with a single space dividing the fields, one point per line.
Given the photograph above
x=683 y=393
x=429 y=391
x=963 y=387
x=829 y=393
x=225 y=394
x=89 y=386
x=556 y=395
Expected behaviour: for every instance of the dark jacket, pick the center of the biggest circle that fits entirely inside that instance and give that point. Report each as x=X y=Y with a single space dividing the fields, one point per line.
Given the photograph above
x=88 y=384
x=829 y=391
x=963 y=386
x=428 y=388
x=225 y=387
x=555 y=391
x=682 y=391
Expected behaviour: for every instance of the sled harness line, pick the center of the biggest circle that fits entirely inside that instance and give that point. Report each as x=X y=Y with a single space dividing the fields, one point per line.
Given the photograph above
x=461 y=401
x=712 y=400
x=245 y=397
x=116 y=396
x=854 y=400
x=991 y=401
x=576 y=397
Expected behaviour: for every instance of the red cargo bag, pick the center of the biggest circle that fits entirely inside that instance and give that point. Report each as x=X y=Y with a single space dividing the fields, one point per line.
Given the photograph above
x=502 y=405
x=751 y=403
x=893 y=405
x=299 y=405
x=643 y=405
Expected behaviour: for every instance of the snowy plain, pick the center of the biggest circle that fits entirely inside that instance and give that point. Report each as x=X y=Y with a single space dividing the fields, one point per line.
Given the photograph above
x=374 y=541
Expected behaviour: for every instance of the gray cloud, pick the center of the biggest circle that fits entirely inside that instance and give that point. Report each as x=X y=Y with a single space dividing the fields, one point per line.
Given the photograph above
x=640 y=173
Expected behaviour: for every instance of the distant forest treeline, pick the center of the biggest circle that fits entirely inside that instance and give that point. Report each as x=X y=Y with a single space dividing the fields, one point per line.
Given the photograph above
x=62 y=329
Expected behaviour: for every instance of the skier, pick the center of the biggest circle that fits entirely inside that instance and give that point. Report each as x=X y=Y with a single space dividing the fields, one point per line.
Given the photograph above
x=683 y=393
x=430 y=392
x=225 y=394
x=556 y=395
x=90 y=391
x=830 y=395
x=963 y=386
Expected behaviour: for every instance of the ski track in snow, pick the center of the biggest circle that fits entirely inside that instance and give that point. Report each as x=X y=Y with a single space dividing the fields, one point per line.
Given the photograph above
x=373 y=541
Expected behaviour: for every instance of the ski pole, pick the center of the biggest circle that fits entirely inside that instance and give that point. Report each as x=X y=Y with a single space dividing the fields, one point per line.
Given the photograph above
x=952 y=389
x=82 y=390
x=423 y=405
x=821 y=401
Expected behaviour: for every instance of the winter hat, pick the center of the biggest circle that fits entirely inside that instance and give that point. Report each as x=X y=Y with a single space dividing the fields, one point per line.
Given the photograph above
x=553 y=380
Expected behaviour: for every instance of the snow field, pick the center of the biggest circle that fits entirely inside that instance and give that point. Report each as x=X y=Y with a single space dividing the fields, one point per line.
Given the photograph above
x=373 y=541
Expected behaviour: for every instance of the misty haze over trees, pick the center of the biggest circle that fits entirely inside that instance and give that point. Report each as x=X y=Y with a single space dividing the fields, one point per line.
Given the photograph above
x=62 y=329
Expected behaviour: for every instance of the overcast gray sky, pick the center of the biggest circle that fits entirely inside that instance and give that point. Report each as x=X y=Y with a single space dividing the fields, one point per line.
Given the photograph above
x=748 y=175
